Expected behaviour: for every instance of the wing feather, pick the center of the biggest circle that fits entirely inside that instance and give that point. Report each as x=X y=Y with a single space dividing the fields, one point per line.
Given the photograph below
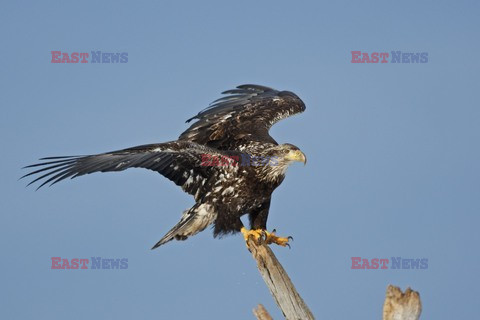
x=178 y=161
x=245 y=115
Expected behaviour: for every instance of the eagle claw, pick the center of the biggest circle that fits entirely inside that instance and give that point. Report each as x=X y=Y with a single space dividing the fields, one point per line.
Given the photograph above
x=281 y=241
x=260 y=235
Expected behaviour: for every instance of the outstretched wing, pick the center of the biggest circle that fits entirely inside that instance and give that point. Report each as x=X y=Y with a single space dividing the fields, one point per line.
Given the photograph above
x=244 y=116
x=178 y=161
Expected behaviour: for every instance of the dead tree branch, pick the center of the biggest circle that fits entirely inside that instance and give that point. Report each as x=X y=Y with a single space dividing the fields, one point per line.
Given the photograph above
x=397 y=305
x=401 y=306
x=279 y=283
x=261 y=313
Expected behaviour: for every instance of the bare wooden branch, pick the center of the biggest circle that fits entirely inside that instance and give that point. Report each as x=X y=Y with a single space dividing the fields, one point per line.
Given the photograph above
x=278 y=282
x=397 y=305
x=401 y=306
x=261 y=313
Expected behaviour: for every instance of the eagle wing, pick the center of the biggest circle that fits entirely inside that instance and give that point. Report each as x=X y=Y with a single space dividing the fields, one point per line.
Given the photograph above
x=244 y=116
x=179 y=161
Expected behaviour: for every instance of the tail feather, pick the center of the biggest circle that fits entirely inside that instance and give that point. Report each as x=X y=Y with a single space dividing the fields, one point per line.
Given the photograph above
x=176 y=230
x=193 y=221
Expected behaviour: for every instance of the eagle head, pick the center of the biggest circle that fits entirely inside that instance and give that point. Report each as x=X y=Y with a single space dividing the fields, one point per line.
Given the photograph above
x=281 y=157
x=291 y=153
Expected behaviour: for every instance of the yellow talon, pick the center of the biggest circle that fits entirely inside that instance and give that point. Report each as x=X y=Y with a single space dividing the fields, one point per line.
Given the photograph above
x=256 y=234
x=268 y=237
x=272 y=238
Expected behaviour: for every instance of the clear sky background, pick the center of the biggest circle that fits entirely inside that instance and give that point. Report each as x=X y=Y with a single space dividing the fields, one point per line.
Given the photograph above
x=393 y=155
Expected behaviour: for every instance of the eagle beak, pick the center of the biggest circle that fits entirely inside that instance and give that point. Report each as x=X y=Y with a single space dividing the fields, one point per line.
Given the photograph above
x=297 y=155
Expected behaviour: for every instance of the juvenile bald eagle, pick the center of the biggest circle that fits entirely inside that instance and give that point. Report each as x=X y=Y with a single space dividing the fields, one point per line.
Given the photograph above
x=226 y=160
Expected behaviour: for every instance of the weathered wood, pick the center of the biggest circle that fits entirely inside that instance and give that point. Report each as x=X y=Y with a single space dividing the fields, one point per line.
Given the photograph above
x=401 y=306
x=278 y=282
x=397 y=305
x=261 y=313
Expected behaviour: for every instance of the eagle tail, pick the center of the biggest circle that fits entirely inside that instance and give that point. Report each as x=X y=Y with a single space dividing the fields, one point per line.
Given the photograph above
x=193 y=221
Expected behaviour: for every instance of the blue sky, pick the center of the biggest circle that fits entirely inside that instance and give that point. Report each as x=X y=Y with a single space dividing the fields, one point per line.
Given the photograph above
x=393 y=155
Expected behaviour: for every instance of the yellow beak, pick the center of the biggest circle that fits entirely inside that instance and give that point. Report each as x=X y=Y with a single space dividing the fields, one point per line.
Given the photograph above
x=297 y=155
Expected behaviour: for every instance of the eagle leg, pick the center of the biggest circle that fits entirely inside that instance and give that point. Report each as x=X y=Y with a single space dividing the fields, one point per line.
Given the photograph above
x=256 y=234
x=269 y=237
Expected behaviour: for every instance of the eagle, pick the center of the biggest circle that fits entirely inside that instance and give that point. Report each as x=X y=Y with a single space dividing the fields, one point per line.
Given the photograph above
x=226 y=160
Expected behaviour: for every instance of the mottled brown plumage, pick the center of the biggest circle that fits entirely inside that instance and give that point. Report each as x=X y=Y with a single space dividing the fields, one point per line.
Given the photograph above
x=233 y=127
